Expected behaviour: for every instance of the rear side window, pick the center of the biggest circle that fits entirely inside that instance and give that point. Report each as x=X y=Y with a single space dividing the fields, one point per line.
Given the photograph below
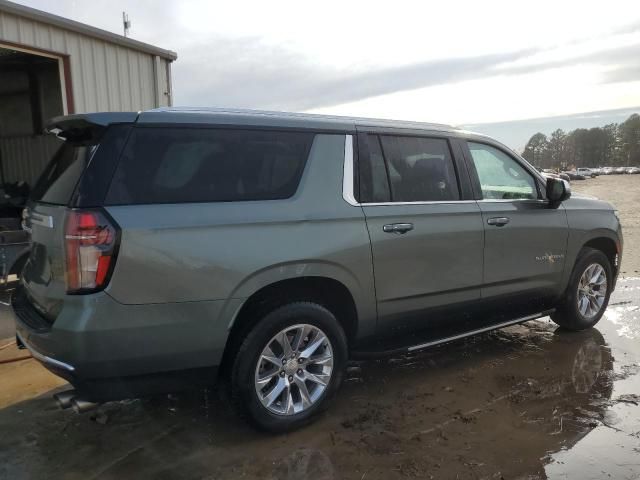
x=59 y=179
x=374 y=186
x=176 y=165
x=420 y=169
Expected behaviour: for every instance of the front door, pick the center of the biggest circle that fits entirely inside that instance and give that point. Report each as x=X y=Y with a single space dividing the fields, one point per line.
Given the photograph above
x=525 y=239
x=426 y=238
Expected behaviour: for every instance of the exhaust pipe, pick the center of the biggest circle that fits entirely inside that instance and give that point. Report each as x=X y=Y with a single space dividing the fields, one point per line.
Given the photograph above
x=81 y=406
x=64 y=398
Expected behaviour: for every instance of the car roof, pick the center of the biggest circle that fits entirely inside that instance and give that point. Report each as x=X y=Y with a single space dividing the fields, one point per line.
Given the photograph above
x=279 y=119
x=259 y=118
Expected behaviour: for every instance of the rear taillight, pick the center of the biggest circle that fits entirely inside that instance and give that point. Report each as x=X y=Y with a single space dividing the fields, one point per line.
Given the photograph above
x=90 y=247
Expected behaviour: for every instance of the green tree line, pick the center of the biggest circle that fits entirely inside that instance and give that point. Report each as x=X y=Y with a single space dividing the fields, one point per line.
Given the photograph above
x=612 y=145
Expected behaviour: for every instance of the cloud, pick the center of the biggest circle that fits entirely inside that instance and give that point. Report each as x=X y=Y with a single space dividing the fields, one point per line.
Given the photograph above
x=246 y=72
x=611 y=56
x=627 y=73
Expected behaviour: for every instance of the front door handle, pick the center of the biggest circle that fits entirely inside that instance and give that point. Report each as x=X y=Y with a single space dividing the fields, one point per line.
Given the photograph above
x=399 y=228
x=498 y=221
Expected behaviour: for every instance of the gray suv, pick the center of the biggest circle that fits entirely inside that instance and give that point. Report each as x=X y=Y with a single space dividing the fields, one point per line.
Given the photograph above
x=179 y=247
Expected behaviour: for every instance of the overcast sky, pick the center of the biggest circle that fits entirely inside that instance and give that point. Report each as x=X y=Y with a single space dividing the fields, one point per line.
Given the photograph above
x=448 y=62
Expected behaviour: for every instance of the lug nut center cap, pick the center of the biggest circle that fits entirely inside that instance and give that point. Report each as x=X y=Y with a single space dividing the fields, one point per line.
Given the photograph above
x=291 y=366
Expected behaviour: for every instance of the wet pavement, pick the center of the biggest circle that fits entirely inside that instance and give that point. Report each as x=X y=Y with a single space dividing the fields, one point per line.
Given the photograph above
x=526 y=402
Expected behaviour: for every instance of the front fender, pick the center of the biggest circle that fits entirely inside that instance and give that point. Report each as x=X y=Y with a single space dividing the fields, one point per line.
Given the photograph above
x=582 y=231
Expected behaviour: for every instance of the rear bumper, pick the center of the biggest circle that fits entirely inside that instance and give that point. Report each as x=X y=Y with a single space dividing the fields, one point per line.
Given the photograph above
x=49 y=362
x=118 y=388
x=110 y=350
x=57 y=367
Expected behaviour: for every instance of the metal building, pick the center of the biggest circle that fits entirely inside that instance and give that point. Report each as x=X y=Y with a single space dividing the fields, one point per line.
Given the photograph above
x=51 y=66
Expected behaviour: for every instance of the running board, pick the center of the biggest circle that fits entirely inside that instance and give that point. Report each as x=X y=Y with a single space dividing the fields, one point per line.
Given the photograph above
x=452 y=338
x=480 y=330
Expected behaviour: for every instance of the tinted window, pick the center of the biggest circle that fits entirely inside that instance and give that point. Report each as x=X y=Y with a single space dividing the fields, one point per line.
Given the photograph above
x=501 y=177
x=173 y=165
x=420 y=169
x=374 y=185
x=59 y=179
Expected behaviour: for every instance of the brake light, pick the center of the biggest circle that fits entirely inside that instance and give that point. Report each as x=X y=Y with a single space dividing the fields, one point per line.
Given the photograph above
x=90 y=248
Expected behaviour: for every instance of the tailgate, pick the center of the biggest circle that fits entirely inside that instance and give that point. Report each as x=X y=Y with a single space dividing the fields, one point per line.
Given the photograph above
x=44 y=273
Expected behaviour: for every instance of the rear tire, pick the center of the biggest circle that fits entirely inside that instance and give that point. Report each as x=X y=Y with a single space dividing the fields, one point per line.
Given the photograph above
x=588 y=292
x=280 y=390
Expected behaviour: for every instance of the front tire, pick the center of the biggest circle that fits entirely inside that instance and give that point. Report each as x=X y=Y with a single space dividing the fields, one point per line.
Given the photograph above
x=289 y=366
x=588 y=293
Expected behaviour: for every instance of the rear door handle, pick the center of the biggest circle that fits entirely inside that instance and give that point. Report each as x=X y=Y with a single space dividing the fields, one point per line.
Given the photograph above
x=399 y=228
x=498 y=221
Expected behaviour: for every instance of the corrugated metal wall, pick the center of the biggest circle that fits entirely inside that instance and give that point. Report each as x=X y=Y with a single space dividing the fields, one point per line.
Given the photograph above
x=24 y=158
x=105 y=77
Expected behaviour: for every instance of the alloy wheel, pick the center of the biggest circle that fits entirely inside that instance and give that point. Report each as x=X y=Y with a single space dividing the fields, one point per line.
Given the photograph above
x=592 y=290
x=294 y=369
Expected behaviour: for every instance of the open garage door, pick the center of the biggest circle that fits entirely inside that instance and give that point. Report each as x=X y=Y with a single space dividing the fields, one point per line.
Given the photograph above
x=31 y=92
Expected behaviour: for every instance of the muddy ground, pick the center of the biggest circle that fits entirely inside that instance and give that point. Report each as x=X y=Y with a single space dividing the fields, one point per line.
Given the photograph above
x=526 y=402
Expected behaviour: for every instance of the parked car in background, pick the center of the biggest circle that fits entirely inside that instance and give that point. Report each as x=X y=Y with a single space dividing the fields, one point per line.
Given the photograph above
x=634 y=170
x=553 y=174
x=574 y=175
x=178 y=247
x=620 y=170
x=586 y=172
x=607 y=171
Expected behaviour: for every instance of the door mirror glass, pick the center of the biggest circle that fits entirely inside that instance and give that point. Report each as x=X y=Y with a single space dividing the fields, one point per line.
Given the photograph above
x=558 y=190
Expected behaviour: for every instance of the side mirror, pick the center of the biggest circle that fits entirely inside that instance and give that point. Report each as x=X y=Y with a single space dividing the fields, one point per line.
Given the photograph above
x=558 y=190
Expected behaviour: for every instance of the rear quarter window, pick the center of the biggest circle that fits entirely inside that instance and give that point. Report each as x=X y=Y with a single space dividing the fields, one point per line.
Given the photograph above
x=60 y=177
x=177 y=165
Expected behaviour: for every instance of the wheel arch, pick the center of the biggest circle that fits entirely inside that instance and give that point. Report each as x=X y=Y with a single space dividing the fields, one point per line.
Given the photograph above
x=327 y=291
x=605 y=240
x=607 y=246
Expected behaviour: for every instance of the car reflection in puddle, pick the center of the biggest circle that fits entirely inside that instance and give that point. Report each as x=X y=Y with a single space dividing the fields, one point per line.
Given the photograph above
x=528 y=401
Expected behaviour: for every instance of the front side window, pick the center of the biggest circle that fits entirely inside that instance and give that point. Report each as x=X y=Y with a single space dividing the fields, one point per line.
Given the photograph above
x=420 y=169
x=501 y=177
x=176 y=165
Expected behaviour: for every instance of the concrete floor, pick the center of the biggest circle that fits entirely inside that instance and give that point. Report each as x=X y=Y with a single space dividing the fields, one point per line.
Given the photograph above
x=525 y=402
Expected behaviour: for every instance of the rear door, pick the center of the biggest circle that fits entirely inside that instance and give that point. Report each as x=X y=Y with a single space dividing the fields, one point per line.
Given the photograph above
x=426 y=232
x=525 y=238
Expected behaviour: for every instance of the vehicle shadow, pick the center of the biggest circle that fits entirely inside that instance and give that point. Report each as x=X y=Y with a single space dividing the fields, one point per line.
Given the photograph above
x=500 y=402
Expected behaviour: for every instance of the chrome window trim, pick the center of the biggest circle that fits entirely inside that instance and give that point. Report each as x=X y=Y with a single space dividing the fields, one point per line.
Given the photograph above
x=349 y=196
x=347 y=184
x=348 y=172
x=43 y=358
x=511 y=200
x=426 y=202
